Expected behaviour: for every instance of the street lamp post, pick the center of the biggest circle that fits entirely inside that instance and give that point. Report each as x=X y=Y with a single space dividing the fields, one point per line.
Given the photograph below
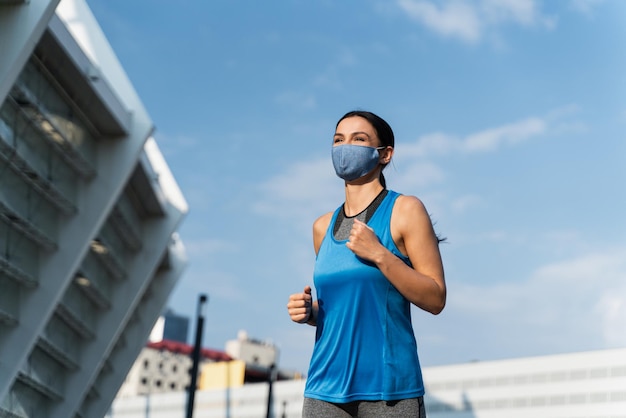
x=196 y=354
x=270 y=397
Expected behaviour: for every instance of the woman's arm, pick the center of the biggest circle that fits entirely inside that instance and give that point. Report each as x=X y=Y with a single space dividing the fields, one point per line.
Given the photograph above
x=320 y=226
x=424 y=283
x=301 y=307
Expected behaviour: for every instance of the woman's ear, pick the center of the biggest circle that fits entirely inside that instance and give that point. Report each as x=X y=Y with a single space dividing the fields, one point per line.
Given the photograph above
x=385 y=155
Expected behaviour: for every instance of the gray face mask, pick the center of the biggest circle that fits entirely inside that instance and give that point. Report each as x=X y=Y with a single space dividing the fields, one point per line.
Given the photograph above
x=354 y=161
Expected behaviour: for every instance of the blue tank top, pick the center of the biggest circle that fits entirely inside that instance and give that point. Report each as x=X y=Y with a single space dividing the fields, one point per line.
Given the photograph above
x=365 y=348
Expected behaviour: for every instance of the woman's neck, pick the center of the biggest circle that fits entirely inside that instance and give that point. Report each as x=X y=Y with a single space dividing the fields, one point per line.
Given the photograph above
x=359 y=196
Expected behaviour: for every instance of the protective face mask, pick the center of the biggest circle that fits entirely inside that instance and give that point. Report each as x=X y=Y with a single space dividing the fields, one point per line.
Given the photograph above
x=354 y=161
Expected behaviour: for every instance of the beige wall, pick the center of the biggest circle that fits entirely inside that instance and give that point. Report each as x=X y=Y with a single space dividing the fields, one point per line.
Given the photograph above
x=222 y=375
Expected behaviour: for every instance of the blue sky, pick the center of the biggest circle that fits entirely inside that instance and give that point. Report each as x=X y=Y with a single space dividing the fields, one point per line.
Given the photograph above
x=510 y=123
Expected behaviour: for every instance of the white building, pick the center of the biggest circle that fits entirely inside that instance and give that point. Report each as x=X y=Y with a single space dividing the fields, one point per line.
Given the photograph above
x=588 y=384
x=88 y=215
x=255 y=353
x=578 y=385
x=163 y=366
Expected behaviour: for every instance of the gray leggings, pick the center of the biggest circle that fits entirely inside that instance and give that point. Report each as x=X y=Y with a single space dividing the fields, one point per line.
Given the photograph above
x=405 y=408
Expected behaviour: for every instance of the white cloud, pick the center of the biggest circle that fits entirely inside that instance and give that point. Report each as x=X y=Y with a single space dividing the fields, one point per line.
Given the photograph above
x=585 y=7
x=491 y=139
x=575 y=304
x=306 y=189
x=612 y=308
x=464 y=203
x=591 y=291
x=436 y=143
x=560 y=125
x=454 y=19
x=411 y=175
x=524 y=12
x=469 y=20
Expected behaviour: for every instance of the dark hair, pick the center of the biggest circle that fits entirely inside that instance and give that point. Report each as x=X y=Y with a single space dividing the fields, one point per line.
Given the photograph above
x=382 y=128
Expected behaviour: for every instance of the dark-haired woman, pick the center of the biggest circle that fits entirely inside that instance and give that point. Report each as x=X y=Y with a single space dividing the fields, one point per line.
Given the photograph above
x=376 y=255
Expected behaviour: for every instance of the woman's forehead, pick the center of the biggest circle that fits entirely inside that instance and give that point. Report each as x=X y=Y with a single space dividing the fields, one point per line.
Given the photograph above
x=355 y=124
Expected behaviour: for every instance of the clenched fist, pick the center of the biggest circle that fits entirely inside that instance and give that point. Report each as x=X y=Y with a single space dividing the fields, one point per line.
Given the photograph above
x=300 y=306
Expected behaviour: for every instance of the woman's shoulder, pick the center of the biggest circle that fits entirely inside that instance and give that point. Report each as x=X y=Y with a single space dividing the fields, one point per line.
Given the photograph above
x=409 y=208
x=409 y=202
x=320 y=225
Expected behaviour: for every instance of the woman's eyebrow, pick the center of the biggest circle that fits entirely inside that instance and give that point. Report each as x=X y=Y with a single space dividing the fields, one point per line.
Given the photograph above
x=354 y=133
x=360 y=133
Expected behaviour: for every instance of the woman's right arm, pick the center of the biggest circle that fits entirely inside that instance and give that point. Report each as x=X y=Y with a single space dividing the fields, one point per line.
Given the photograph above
x=302 y=308
x=320 y=226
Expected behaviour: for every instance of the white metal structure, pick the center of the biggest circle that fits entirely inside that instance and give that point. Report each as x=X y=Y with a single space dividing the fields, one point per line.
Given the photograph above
x=88 y=215
x=579 y=385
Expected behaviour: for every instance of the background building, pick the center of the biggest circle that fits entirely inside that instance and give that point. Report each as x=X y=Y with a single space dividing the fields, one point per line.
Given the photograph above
x=163 y=366
x=577 y=385
x=88 y=215
x=259 y=357
x=170 y=326
x=588 y=384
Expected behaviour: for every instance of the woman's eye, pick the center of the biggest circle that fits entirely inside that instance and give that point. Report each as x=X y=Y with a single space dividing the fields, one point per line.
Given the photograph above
x=336 y=140
x=359 y=138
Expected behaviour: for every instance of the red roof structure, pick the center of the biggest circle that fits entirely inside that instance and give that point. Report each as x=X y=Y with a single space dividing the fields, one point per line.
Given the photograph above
x=186 y=349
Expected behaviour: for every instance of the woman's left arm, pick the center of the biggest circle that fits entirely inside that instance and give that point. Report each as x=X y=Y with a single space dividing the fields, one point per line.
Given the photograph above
x=412 y=230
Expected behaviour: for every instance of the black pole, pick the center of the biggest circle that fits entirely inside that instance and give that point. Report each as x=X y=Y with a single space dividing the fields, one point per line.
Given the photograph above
x=195 y=355
x=270 y=397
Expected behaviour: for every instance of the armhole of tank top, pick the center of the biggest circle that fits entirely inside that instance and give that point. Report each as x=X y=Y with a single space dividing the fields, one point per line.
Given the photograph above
x=396 y=250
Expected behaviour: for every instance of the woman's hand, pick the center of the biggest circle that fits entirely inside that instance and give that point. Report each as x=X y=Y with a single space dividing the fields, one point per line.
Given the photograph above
x=300 y=306
x=364 y=243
